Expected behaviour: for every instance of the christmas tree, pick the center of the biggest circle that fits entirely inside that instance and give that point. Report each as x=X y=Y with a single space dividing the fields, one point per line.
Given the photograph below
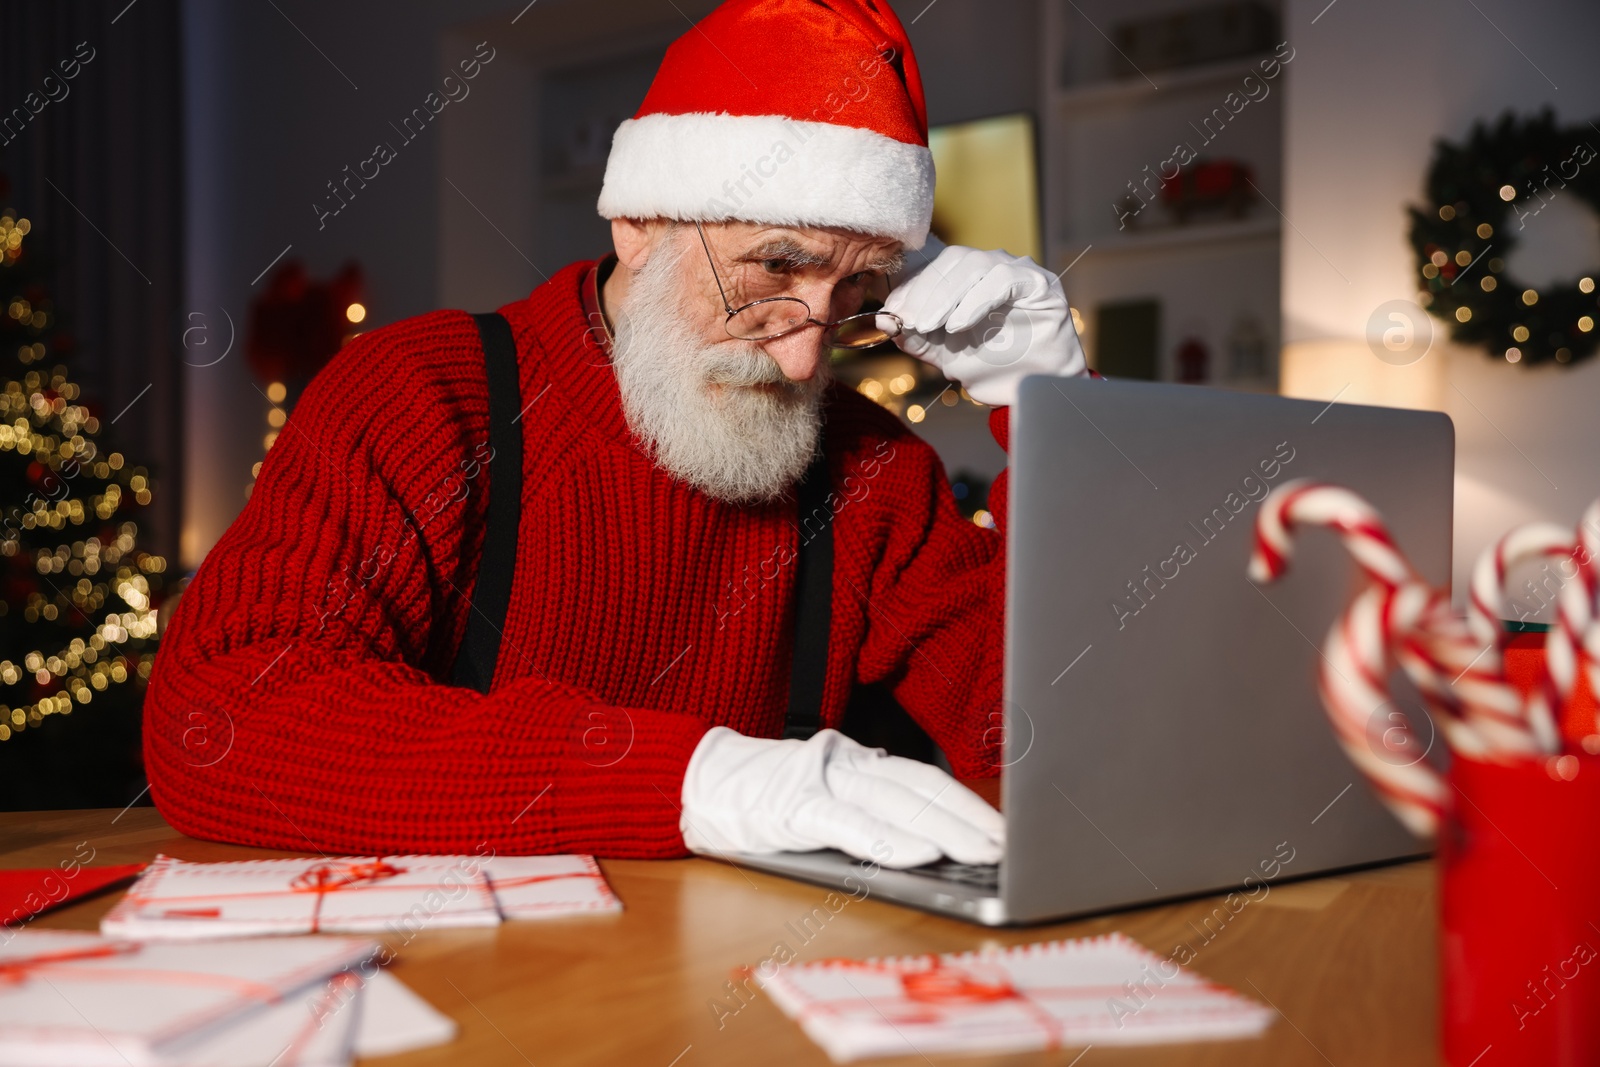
x=78 y=605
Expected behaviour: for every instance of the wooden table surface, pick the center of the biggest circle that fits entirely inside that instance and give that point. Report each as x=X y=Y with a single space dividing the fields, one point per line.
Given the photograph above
x=1347 y=961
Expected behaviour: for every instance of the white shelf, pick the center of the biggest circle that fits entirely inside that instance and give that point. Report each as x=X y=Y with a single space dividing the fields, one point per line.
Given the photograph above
x=1209 y=275
x=1168 y=238
x=1135 y=90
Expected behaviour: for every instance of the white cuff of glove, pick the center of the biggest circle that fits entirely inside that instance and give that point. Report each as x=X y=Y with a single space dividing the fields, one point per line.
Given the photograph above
x=986 y=319
x=751 y=794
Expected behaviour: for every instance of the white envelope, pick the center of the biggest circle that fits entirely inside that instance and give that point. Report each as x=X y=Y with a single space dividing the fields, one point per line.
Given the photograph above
x=347 y=1016
x=314 y=1029
x=544 y=887
x=394 y=1019
x=86 y=1001
x=176 y=900
x=1102 y=991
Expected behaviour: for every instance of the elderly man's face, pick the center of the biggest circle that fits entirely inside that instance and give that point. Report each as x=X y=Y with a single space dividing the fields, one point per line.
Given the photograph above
x=833 y=271
x=737 y=418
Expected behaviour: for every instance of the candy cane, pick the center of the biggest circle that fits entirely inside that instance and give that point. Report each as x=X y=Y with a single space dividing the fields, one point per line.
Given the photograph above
x=1357 y=522
x=1442 y=658
x=1573 y=643
x=1368 y=539
x=1587 y=558
x=1589 y=543
x=1486 y=605
x=1588 y=539
x=1352 y=686
x=1479 y=713
x=1591 y=659
x=1421 y=629
x=1564 y=644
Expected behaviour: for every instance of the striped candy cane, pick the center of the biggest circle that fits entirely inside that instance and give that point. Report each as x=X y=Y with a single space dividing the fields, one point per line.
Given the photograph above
x=1353 y=686
x=1573 y=643
x=1564 y=644
x=1426 y=640
x=1483 y=700
x=1353 y=675
x=1315 y=503
x=1487 y=604
x=1457 y=664
x=1487 y=600
x=1443 y=659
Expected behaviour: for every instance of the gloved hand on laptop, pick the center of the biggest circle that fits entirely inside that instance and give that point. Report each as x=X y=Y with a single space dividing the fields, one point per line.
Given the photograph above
x=986 y=319
x=753 y=794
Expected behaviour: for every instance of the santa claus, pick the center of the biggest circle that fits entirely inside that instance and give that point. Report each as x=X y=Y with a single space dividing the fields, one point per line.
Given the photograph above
x=672 y=405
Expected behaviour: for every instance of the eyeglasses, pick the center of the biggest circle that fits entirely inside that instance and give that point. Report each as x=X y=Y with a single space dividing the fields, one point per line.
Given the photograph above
x=774 y=316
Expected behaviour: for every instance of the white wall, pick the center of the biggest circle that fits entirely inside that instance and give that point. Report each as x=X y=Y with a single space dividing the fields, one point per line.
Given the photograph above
x=1373 y=85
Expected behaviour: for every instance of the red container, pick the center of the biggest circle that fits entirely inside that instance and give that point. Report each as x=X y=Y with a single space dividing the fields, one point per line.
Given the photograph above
x=1520 y=914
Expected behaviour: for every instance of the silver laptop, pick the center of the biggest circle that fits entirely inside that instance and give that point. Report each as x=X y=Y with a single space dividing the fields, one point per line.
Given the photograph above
x=1164 y=737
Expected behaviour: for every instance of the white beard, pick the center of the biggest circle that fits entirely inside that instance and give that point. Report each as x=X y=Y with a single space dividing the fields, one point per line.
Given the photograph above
x=736 y=443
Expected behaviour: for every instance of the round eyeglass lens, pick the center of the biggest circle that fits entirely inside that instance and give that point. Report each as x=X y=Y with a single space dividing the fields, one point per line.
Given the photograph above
x=769 y=318
x=863 y=331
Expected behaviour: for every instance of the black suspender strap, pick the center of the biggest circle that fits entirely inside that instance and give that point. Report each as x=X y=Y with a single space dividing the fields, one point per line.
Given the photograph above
x=491 y=593
x=813 y=604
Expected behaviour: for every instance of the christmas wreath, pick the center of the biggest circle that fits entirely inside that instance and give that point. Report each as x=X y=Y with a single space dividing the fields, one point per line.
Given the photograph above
x=1481 y=194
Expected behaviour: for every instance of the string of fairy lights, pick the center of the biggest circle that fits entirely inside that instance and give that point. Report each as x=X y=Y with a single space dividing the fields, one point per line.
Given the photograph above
x=83 y=559
x=1465 y=243
x=1438 y=271
x=912 y=389
x=277 y=394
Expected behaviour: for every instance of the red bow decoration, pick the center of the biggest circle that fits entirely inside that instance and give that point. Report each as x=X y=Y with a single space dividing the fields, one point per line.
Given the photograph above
x=325 y=878
x=955 y=985
x=328 y=877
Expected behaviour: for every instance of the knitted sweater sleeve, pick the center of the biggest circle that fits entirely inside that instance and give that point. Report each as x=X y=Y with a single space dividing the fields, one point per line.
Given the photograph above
x=297 y=700
x=935 y=607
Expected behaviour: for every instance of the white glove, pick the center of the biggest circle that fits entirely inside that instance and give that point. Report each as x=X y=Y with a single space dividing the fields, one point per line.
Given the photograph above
x=753 y=794
x=986 y=319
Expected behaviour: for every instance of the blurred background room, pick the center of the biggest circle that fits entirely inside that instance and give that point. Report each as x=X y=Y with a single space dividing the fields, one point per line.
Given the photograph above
x=1383 y=203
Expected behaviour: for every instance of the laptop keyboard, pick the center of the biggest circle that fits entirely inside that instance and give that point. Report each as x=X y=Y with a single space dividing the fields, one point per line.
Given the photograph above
x=977 y=875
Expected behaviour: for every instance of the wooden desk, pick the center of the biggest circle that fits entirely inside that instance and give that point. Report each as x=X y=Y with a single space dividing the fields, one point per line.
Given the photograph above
x=1347 y=961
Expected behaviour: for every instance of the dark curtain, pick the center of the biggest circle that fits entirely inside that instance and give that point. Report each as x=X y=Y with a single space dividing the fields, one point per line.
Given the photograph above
x=98 y=171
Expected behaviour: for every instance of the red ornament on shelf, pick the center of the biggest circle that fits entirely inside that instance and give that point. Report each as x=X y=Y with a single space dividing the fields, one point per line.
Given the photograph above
x=298 y=323
x=1222 y=184
x=1193 y=361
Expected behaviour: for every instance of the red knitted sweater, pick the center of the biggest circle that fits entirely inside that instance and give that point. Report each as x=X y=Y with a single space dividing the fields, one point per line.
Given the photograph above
x=300 y=699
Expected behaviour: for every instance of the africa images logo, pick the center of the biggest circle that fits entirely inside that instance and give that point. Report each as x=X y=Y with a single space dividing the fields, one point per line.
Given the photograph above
x=1142 y=588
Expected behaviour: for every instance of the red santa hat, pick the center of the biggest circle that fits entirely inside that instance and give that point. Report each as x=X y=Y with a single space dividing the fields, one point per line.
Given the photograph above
x=788 y=112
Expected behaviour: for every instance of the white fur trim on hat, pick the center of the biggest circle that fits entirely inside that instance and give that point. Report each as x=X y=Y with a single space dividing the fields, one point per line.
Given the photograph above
x=768 y=168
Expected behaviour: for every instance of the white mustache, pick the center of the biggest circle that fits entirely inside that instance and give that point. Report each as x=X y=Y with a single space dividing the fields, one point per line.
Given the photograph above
x=745 y=441
x=752 y=368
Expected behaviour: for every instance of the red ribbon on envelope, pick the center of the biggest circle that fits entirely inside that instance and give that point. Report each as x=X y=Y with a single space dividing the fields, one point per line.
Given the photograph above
x=157 y=896
x=941 y=983
x=955 y=985
x=15 y=972
x=18 y=971
x=330 y=877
